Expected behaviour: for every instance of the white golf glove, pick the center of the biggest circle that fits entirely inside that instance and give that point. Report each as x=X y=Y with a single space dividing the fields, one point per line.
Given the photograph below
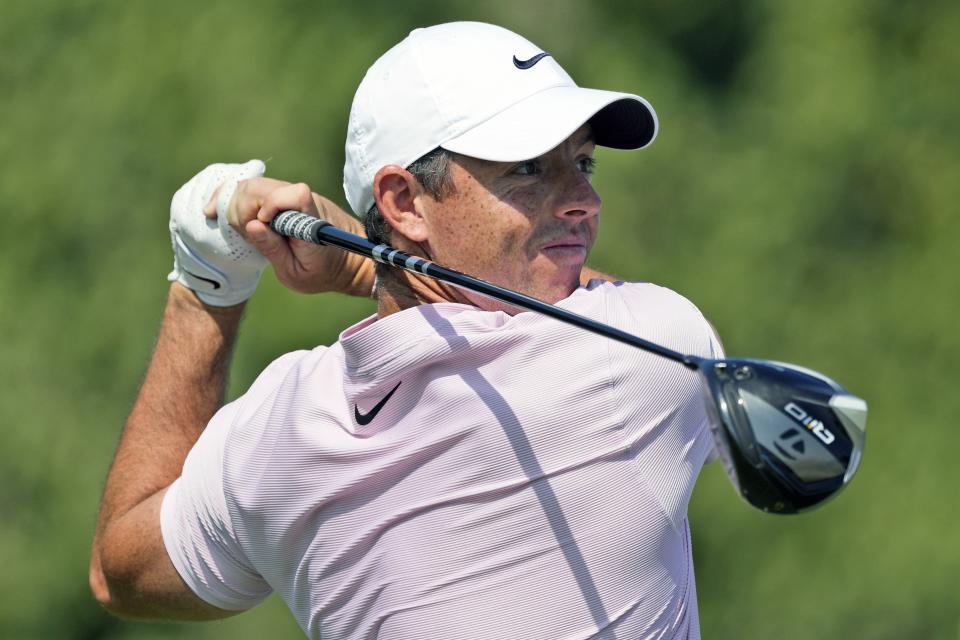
x=210 y=257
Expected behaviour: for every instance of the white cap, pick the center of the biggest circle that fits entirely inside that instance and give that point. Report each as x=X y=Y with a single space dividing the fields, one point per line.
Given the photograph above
x=481 y=91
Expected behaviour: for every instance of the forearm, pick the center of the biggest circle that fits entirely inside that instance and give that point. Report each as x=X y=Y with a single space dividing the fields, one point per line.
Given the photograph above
x=183 y=388
x=356 y=275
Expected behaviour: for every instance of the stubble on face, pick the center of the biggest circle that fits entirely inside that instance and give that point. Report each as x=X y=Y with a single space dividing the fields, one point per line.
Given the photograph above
x=501 y=219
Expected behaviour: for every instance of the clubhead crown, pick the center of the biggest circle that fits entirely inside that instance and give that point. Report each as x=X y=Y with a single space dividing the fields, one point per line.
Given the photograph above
x=789 y=438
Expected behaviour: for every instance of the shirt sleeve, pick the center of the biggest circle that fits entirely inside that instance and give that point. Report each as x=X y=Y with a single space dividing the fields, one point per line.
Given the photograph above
x=197 y=530
x=663 y=403
x=717 y=353
x=694 y=334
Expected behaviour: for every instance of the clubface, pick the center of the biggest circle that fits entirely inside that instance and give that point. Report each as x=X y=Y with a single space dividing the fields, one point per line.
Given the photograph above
x=789 y=438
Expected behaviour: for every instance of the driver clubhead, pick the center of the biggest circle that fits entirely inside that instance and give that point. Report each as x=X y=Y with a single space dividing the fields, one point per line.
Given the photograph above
x=789 y=438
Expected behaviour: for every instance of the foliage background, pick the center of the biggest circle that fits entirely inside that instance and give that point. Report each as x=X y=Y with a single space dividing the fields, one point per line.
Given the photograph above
x=803 y=193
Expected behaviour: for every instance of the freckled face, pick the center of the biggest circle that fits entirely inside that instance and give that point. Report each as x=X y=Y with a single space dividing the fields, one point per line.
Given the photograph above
x=523 y=225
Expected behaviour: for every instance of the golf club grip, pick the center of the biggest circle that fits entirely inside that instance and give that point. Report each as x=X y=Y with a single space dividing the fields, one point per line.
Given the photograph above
x=310 y=229
x=294 y=224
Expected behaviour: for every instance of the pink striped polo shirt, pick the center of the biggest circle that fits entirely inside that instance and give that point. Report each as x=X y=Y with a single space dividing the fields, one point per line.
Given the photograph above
x=446 y=472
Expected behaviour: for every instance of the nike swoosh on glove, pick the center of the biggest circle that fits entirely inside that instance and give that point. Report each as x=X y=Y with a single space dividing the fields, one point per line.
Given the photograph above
x=210 y=257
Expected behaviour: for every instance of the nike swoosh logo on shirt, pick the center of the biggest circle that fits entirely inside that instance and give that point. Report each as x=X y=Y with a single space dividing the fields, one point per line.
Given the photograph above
x=526 y=64
x=367 y=418
x=216 y=285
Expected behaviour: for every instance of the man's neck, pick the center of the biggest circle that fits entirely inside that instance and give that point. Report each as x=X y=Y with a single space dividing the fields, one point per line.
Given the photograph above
x=402 y=290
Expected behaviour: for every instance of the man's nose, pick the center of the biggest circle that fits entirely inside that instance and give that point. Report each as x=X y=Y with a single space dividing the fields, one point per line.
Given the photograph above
x=577 y=197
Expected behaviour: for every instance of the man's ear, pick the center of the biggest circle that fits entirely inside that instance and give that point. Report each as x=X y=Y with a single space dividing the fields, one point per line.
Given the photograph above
x=398 y=196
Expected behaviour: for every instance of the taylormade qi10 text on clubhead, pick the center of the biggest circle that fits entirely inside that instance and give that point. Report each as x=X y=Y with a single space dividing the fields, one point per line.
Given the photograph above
x=789 y=438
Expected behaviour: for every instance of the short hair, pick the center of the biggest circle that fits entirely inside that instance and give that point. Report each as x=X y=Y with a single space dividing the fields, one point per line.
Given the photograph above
x=432 y=171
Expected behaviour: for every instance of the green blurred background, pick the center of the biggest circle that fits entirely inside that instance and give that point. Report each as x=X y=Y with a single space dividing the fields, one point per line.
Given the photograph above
x=803 y=192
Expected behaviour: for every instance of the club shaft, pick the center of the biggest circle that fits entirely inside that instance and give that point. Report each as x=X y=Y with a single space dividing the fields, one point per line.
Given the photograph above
x=310 y=229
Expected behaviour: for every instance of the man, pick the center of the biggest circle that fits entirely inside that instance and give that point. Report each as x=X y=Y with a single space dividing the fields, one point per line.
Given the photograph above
x=449 y=468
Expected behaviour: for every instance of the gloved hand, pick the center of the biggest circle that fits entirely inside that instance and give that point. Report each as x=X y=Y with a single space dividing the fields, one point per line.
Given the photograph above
x=210 y=257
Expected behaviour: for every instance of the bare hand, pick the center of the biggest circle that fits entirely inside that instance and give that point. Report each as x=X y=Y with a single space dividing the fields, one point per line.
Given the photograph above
x=300 y=266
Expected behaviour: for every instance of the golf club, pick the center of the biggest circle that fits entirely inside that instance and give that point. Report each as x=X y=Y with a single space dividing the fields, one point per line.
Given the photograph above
x=789 y=438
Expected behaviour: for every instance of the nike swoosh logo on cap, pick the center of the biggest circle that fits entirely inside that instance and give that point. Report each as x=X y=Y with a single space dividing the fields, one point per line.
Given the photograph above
x=526 y=64
x=367 y=418
x=216 y=285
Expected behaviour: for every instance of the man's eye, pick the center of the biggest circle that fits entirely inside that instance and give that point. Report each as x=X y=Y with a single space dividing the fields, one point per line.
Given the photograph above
x=528 y=168
x=587 y=165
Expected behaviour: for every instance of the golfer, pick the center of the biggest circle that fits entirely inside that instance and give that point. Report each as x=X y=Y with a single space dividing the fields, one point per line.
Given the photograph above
x=450 y=467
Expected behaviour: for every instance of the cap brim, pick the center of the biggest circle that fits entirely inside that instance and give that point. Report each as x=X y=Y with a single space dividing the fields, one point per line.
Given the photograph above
x=542 y=121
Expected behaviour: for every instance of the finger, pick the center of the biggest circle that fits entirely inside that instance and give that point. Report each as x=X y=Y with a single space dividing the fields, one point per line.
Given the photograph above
x=243 y=206
x=247 y=200
x=297 y=197
x=210 y=209
x=272 y=245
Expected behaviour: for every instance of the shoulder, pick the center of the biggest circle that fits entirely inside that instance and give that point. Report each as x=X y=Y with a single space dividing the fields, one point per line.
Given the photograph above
x=275 y=372
x=283 y=371
x=638 y=298
x=651 y=311
x=218 y=431
x=281 y=377
x=639 y=292
x=264 y=422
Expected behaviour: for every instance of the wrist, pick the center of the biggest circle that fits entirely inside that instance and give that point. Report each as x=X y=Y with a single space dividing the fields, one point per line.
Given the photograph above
x=355 y=275
x=336 y=216
x=210 y=257
x=182 y=297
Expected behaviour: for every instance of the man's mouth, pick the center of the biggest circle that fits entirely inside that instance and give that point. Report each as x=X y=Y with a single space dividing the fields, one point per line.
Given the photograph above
x=568 y=246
